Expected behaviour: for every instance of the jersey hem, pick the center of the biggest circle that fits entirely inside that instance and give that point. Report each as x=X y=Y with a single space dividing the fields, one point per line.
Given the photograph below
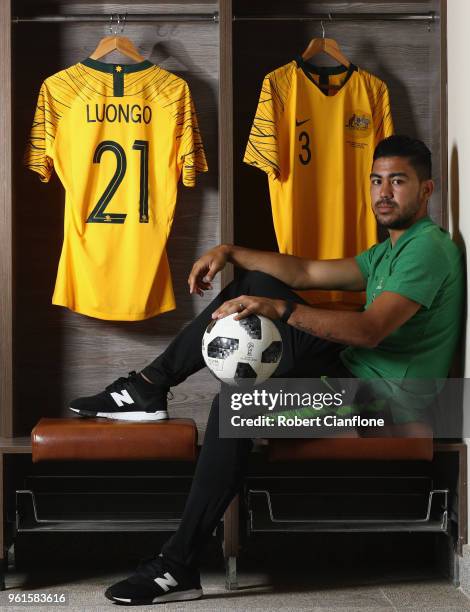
x=89 y=312
x=272 y=172
x=192 y=181
x=44 y=178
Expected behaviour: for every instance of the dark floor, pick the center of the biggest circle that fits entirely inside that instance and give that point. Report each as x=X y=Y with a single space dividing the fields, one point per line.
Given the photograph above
x=334 y=572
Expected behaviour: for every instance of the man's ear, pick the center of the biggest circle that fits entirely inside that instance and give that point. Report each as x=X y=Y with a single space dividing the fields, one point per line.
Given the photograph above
x=428 y=188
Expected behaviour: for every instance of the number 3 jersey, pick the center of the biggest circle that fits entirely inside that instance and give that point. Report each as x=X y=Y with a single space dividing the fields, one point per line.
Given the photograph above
x=314 y=134
x=119 y=137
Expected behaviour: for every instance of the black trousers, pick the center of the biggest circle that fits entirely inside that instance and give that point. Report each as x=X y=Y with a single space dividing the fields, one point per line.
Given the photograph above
x=222 y=462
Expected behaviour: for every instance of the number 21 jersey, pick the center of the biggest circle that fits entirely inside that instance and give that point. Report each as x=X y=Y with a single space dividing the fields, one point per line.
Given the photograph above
x=119 y=137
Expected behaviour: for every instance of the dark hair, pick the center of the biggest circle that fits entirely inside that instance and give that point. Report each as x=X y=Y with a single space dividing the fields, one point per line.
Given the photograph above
x=417 y=153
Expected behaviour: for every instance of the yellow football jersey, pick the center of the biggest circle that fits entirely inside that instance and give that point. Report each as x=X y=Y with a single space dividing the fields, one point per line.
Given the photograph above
x=119 y=137
x=314 y=134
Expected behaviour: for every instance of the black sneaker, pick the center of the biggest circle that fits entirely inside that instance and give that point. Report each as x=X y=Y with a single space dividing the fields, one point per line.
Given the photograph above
x=155 y=582
x=126 y=399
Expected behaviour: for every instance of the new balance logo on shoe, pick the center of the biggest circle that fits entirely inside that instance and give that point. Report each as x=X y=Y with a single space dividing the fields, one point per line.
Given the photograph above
x=122 y=398
x=166 y=581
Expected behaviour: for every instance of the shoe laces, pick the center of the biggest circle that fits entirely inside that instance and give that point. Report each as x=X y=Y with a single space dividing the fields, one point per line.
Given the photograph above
x=150 y=567
x=123 y=381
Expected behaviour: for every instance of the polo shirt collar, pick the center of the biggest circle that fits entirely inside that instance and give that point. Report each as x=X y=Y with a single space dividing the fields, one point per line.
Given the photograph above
x=416 y=228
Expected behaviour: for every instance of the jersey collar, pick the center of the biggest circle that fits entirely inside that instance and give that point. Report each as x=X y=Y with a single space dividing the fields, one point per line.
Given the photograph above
x=119 y=68
x=324 y=72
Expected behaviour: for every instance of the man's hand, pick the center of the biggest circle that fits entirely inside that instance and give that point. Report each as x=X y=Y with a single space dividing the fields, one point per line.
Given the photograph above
x=206 y=267
x=246 y=305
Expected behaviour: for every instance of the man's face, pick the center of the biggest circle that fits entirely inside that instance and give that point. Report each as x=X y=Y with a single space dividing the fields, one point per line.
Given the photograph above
x=398 y=196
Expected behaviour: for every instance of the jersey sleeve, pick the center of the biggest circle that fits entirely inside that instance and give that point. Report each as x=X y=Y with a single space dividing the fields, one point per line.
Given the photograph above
x=381 y=112
x=191 y=154
x=38 y=156
x=419 y=272
x=262 y=149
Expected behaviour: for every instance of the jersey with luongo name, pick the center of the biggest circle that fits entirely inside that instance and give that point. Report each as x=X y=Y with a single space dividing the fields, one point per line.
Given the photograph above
x=317 y=150
x=119 y=137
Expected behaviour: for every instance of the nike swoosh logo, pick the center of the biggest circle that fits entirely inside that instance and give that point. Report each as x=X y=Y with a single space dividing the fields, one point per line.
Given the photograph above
x=297 y=123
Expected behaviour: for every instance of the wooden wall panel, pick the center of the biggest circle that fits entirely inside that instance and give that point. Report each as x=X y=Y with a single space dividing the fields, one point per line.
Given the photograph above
x=6 y=264
x=59 y=354
x=226 y=130
x=406 y=55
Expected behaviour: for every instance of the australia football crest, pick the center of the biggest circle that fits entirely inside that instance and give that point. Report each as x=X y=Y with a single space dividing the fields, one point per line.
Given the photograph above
x=358 y=124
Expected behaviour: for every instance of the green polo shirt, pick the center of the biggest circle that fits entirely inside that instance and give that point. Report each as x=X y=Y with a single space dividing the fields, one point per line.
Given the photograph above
x=425 y=266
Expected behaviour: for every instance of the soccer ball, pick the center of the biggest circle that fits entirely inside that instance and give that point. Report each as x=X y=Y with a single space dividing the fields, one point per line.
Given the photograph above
x=248 y=350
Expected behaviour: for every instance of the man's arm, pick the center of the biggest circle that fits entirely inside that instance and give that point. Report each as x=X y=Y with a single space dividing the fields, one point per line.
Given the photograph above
x=367 y=329
x=300 y=273
x=296 y=272
x=387 y=313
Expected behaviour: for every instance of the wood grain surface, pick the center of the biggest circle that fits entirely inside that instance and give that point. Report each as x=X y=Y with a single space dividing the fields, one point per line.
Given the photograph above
x=6 y=264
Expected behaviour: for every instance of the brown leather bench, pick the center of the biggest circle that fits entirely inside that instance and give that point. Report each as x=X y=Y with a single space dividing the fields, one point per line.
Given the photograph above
x=409 y=442
x=114 y=462
x=90 y=475
x=78 y=439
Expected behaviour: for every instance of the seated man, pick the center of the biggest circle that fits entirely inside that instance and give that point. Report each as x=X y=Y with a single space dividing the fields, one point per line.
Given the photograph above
x=409 y=328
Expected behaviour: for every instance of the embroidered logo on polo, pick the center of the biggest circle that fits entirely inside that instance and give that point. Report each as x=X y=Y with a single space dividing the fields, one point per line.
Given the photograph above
x=379 y=287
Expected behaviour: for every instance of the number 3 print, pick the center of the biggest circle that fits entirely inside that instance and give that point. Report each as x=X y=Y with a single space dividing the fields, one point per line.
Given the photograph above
x=305 y=155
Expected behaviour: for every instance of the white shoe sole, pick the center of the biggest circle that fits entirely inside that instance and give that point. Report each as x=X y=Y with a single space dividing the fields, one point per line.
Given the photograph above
x=175 y=596
x=159 y=415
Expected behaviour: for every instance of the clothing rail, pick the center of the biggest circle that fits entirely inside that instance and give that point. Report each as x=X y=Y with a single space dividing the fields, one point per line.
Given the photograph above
x=429 y=17
x=124 y=18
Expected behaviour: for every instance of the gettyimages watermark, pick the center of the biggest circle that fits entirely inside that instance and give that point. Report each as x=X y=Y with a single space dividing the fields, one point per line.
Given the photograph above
x=329 y=407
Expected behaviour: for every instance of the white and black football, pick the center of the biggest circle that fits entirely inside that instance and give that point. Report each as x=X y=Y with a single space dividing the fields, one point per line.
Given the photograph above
x=248 y=350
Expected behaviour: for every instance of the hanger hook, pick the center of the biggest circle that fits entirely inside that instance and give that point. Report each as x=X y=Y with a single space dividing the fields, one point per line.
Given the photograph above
x=322 y=29
x=120 y=23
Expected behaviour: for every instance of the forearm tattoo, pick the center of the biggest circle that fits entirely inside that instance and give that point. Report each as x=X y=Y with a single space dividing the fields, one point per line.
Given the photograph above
x=310 y=330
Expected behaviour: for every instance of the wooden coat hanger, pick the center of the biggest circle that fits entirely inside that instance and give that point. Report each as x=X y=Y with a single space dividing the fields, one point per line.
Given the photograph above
x=116 y=43
x=325 y=45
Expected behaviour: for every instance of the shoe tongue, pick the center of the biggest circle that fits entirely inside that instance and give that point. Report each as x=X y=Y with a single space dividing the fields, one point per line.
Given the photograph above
x=117 y=384
x=150 y=567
